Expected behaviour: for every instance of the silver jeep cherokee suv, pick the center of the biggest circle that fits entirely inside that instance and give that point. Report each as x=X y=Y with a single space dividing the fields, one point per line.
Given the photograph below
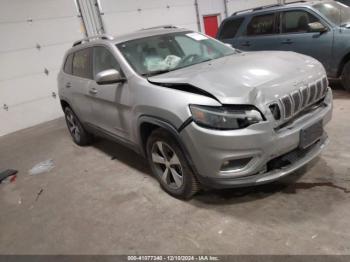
x=203 y=113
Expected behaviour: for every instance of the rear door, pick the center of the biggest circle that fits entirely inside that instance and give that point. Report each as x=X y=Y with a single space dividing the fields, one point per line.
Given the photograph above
x=79 y=83
x=296 y=36
x=109 y=101
x=260 y=33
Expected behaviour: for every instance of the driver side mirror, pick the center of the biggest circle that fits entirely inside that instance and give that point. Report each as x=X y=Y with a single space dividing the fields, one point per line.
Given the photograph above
x=317 y=27
x=110 y=76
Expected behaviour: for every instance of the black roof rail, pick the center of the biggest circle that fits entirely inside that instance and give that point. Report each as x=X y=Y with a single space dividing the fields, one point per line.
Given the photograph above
x=92 y=38
x=266 y=7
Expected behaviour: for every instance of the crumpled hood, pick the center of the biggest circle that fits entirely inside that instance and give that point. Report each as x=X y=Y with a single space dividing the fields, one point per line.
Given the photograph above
x=248 y=78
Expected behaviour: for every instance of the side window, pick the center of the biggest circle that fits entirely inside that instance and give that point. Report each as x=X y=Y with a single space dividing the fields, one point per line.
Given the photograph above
x=262 y=25
x=103 y=60
x=68 y=65
x=82 y=63
x=297 y=21
x=230 y=28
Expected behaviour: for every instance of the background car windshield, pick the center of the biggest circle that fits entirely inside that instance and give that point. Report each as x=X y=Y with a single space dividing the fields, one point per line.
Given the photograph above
x=336 y=12
x=162 y=53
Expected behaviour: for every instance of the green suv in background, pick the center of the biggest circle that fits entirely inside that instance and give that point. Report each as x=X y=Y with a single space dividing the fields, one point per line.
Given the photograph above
x=320 y=29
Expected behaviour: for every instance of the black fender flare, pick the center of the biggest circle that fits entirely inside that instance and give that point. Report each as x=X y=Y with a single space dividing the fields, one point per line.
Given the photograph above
x=175 y=132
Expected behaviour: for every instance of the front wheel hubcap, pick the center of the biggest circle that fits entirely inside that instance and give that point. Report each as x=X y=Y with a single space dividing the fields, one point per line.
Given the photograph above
x=167 y=164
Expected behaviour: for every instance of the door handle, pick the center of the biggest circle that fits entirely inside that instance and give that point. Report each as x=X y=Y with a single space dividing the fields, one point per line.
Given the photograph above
x=93 y=91
x=68 y=85
x=247 y=43
x=287 y=42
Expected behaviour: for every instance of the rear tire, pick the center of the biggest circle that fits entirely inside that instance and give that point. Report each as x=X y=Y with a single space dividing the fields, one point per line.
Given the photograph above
x=80 y=136
x=345 y=78
x=169 y=165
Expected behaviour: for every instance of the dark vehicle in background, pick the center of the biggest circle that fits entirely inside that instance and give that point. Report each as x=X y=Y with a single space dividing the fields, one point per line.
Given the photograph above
x=345 y=2
x=320 y=29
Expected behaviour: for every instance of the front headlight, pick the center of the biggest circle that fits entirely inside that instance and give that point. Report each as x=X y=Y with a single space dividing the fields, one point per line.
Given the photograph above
x=226 y=117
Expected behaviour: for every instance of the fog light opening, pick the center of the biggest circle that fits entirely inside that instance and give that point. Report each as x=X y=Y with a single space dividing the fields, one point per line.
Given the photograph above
x=235 y=164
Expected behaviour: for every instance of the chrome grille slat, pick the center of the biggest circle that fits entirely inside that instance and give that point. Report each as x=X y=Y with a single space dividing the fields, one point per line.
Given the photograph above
x=312 y=93
x=305 y=96
x=324 y=86
x=295 y=102
x=287 y=103
x=318 y=90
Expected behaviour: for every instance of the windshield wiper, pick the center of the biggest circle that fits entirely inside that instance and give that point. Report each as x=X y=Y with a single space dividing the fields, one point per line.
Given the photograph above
x=158 y=72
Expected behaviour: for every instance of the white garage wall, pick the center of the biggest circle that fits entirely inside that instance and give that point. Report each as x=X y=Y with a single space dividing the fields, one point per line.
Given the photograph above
x=124 y=16
x=26 y=91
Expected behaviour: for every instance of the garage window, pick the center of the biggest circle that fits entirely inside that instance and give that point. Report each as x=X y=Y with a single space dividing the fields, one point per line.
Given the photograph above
x=230 y=28
x=262 y=25
x=297 y=21
x=82 y=63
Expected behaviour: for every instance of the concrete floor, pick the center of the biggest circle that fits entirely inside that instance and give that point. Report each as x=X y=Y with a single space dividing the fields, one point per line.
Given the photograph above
x=91 y=204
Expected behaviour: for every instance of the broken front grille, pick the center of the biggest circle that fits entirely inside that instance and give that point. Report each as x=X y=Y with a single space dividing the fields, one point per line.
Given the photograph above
x=293 y=103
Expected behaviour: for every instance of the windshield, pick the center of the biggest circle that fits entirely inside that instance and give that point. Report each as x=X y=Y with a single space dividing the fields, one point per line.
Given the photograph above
x=163 y=53
x=336 y=12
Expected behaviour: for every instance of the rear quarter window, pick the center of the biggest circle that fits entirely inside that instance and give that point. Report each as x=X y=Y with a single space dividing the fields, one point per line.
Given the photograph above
x=68 y=64
x=82 y=63
x=230 y=28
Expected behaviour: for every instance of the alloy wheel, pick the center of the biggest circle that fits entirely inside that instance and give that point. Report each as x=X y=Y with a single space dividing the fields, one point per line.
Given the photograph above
x=167 y=164
x=73 y=126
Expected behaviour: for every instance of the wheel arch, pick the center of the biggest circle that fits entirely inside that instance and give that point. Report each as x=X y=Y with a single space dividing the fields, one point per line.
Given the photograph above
x=64 y=104
x=343 y=62
x=147 y=124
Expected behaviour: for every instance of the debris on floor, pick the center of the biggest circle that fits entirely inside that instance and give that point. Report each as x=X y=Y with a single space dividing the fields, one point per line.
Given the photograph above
x=38 y=194
x=13 y=178
x=8 y=173
x=10 y=195
x=42 y=167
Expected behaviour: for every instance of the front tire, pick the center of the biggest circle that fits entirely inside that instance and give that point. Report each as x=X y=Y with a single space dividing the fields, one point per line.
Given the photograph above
x=80 y=136
x=169 y=165
x=345 y=78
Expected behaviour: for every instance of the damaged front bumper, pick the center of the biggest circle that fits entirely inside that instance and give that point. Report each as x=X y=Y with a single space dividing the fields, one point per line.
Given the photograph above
x=255 y=155
x=300 y=159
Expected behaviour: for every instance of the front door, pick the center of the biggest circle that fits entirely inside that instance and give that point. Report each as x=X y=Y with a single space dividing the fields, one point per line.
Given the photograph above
x=296 y=36
x=109 y=100
x=260 y=33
